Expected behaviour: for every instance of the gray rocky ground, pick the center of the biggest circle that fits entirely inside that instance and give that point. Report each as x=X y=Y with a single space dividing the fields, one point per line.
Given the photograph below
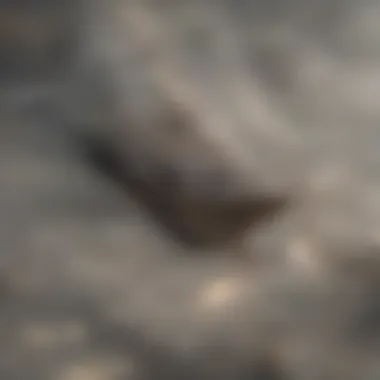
x=189 y=190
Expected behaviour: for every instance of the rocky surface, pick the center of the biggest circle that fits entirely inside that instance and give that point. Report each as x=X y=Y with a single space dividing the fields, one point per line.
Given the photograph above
x=193 y=193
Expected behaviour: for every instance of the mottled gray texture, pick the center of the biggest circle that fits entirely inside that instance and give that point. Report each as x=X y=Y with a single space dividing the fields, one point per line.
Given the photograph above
x=237 y=104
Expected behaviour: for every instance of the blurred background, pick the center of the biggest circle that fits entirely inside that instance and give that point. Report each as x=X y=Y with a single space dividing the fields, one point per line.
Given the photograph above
x=189 y=190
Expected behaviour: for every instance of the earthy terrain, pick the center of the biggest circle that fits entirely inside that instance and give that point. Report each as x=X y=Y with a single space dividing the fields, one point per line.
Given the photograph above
x=189 y=190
